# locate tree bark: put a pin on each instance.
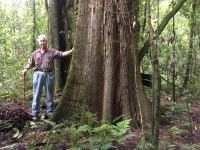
(34, 26)
(109, 48)
(104, 77)
(156, 82)
(46, 5)
(71, 97)
(58, 39)
(190, 52)
(54, 37)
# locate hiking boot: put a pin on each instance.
(46, 116)
(36, 118)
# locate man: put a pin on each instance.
(42, 64)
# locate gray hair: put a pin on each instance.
(42, 37)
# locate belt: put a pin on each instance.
(44, 70)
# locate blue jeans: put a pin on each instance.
(41, 79)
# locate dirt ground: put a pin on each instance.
(179, 130)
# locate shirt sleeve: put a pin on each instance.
(31, 61)
(57, 53)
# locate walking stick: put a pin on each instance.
(24, 93)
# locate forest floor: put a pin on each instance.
(179, 130)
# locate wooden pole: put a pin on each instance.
(24, 91)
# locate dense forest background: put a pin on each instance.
(135, 67)
(19, 30)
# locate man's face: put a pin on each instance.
(43, 43)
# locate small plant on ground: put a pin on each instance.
(145, 143)
(177, 109)
(86, 137)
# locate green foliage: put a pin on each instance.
(102, 137)
(32, 141)
(176, 130)
(32, 137)
(145, 143)
(56, 136)
(9, 147)
(33, 125)
(178, 109)
(88, 118)
(86, 137)
(164, 144)
(188, 146)
(183, 45)
(82, 116)
(16, 43)
(17, 134)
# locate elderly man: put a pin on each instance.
(41, 62)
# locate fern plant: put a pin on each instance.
(86, 137)
(102, 137)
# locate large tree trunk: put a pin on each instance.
(104, 77)
(75, 82)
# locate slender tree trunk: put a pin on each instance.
(174, 63)
(46, 5)
(156, 98)
(34, 26)
(160, 28)
(156, 83)
(54, 37)
(190, 52)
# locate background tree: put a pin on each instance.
(34, 26)
(16, 43)
(161, 27)
(191, 43)
(156, 86)
(59, 38)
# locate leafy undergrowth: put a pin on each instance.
(179, 130)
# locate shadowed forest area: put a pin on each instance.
(131, 83)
